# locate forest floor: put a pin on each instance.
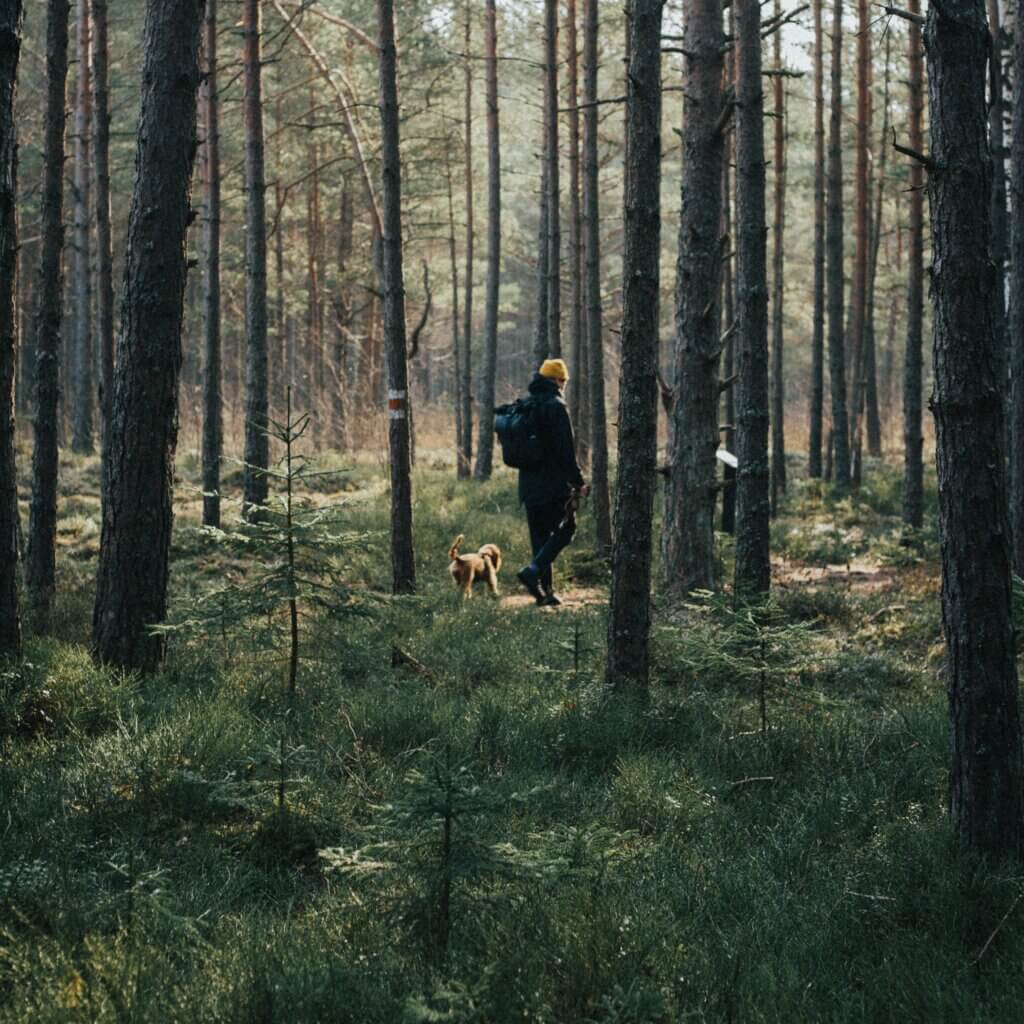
(451, 820)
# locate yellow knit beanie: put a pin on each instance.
(555, 369)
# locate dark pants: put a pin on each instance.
(551, 530)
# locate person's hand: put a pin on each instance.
(583, 491)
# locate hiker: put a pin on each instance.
(549, 489)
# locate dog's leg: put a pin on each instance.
(492, 578)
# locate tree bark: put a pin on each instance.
(11, 22)
(213, 412)
(485, 444)
(541, 337)
(101, 178)
(81, 419)
(986, 797)
(728, 319)
(872, 417)
(753, 567)
(629, 612)
(778, 392)
(462, 467)
(577, 348)
(257, 445)
(818, 316)
(839, 444)
(996, 145)
(465, 369)
(1016, 432)
(42, 531)
(553, 179)
(688, 533)
(856, 327)
(131, 588)
(913, 368)
(403, 561)
(592, 284)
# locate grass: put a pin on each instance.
(488, 837)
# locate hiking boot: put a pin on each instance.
(530, 578)
(551, 601)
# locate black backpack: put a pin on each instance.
(518, 428)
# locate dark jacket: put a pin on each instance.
(559, 473)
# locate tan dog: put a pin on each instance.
(482, 567)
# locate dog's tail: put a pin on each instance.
(453, 551)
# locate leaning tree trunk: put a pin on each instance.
(11, 21)
(778, 391)
(1016, 432)
(42, 529)
(688, 531)
(101, 180)
(913, 369)
(986, 796)
(138, 474)
(552, 181)
(592, 284)
(403, 562)
(81, 419)
(213, 412)
(485, 443)
(840, 437)
(465, 367)
(257, 445)
(753, 567)
(818, 316)
(629, 611)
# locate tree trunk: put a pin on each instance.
(629, 612)
(986, 799)
(403, 561)
(592, 284)
(101, 176)
(314, 336)
(553, 186)
(465, 368)
(485, 444)
(541, 338)
(11, 22)
(462, 466)
(81, 419)
(913, 369)
(778, 391)
(753, 567)
(1016, 432)
(213, 413)
(343, 322)
(858, 295)
(688, 533)
(728, 323)
(257, 445)
(728, 319)
(577, 349)
(131, 587)
(840, 434)
(996, 146)
(42, 531)
(873, 419)
(818, 316)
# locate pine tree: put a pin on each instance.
(629, 613)
(131, 585)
